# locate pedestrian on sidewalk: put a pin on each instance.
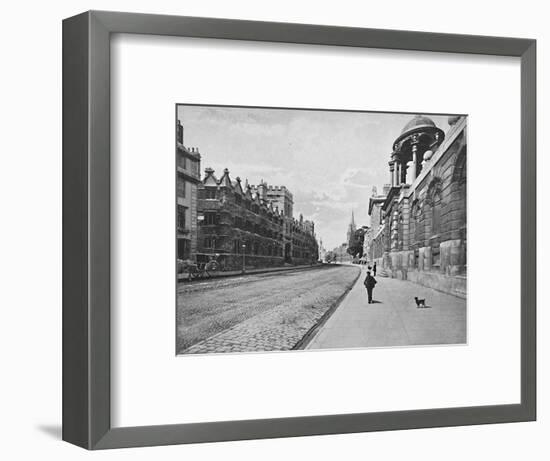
(374, 269)
(369, 283)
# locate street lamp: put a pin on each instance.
(244, 253)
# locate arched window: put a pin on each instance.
(436, 216)
(415, 231)
(459, 185)
(434, 200)
(459, 181)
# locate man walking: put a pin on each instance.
(369, 283)
(374, 269)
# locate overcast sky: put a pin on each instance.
(329, 160)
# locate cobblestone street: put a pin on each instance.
(263, 312)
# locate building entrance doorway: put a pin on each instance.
(288, 253)
(183, 248)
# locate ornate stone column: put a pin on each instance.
(405, 213)
(414, 162)
(399, 174)
(394, 229)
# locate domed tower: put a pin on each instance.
(418, 138)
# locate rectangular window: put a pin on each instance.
(436, 220)
(183, 249)
(210, 193)
(210, 219)
(180, 133)
(182, 161)
(208, 242)
(436, 259)
(181, 218)
(181, 187)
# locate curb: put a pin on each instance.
(254, 272)
(306, 339)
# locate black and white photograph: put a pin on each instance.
(319, 229)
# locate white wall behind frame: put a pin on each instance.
(31, 235)
(150, 385)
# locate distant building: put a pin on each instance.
(304, 244)
(341, 254)
(283, 201)
(423, 236)
(373, 244)
(188, 162)
(279, 196)
(322, 251)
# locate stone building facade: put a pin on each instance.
(423, 235)
(373, 244)
(245, 226)
(283, 201)
(187, 179)
(304, 247)
(322, 251)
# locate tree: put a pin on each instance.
(355, 244)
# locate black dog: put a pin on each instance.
(420, 302)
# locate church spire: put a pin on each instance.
(351, 229)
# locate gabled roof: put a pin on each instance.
(225, 180)
(209, 178)
(237, 185)
(247, 192)
(256, 198)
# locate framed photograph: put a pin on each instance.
(255, 275)
(276, 230)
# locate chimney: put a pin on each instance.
(179, 132)
(262, 190)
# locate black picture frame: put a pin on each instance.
(86, 229)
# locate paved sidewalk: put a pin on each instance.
(393, 319)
